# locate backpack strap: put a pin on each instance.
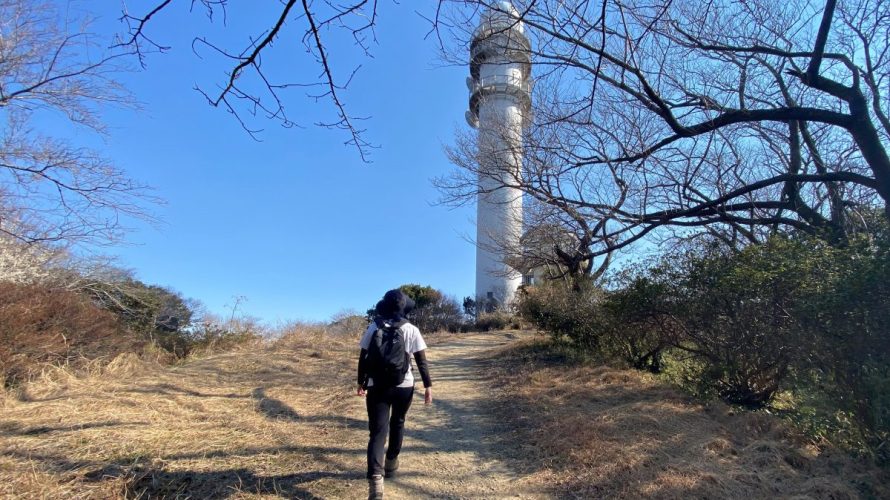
(377, 337)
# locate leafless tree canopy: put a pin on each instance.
(52, 69)
(736, 118)
(249, 90)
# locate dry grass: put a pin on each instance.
(267, 420)
(598, 432)
(278, 420)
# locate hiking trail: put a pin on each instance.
(454, 448)
(277, 421)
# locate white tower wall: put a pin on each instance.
(499, 105)
(499, 209)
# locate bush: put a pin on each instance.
(848, 309)
(444, 314)
(632, 317)
(624, 323)
(729, 310)
(735, 310)
(490, 321)
(433, 310)
(422, 296)
(40, 325)
(563, 310)
(793, 314)
(157, 314)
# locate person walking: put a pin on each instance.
(386, 379)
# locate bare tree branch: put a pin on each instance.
(52, 191)
(249, 92)
(735, 119)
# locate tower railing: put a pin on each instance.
(494, 82)
(519, 87)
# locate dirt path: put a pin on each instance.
(453, 449)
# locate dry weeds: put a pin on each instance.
(266, 420)
(599, 432)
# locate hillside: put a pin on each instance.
(282, 421)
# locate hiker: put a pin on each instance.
(385, 376)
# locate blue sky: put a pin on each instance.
(296, 223)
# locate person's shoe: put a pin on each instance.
(375, 487)
(390, 466)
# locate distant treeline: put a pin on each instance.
(60, 310)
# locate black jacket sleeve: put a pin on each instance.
(362, 369)
(423, 368)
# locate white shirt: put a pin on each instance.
(413, 343)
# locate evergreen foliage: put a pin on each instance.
(795, 324)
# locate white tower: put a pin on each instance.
(500, 103)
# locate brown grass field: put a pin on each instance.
(278, 420)
(265, 420)
(599, 432)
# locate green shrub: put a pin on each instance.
(735, 310)
(849, 358)
(433, 310)
(633, 316)
(157, 314)
(688, 372)
(728, 310)
(564, 310)
(422, 295)
(795, 315)
(443, 314)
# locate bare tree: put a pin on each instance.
(249, 90)
(23, 264)
(738, 118)
(53, 70)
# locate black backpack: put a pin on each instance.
(388, 362)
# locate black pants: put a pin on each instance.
(380, 402)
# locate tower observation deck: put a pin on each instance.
(499, 107)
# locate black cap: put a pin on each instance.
(395, 304)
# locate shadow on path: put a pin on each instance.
(273, 408)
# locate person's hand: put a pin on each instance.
(428, 396)
(360, 391)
